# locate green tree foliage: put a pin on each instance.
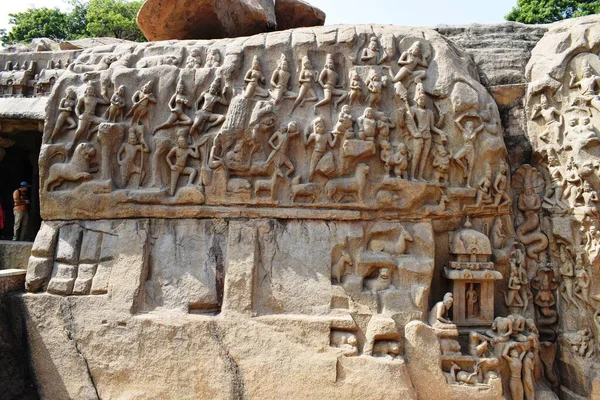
(87, 18)
(547, 11)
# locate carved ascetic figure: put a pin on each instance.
(194, 60)
(280, 145)
(529, 375)
(126, 157)
(513, 296)
(589, 85)
(514, 360)
(375, 85)
(280, 82)
(181, 153)
(372, 54)
(255, 81)
(117, 105)
(400, 161)
(441, 165)
(465, 156)
(322, 139)
(421, 127)
(205, 118)
(472, 301)
(142, 100)
(552, 118)
(345, 123)
(498, 236)
(328, 79)
(307, 78)
(484, 186)
(438, 316)
(581, 342)
(554, 195)
(409, 61)
(213, 59)
(582, 282)
(86, 112)
(356, 92)
(367, 125)
(178, 103)
(501, 197)
(65, 118)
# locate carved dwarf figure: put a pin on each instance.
(345, 123)
(213, 59)
(328, 80)
(126, 157)
(194, 60)
(371, 54)
(178, 103)
(65, 118)
(367, 125)
(181, 153)
(205, 106)
(400, 161)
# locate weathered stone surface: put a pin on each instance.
(14, 255)
(297, 14)
(205, 19)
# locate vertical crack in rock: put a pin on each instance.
(68, 323)
(238, 388)
(216, 255)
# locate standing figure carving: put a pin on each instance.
(181, 153)
(117, 105)
(465, 156)
(65, 118)
(322, 140)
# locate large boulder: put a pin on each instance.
(297, 14)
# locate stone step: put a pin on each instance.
(14, 254)
(12, 280)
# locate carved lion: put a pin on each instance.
(74, 170)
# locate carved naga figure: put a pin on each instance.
(528, 182)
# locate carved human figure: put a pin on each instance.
(554, 194)
(582, 281)
(213, 59)
(142, 100)
(280, 145)
(501, 197)
(328, 80)
(126, 157)
(375, 85)
(307, 78)
(322, 139)
(529, 376)
(117, 105)
(465, 156)
(438, 316)
(194, 60)
(255, 80)
(372, 54)
(491, 123)
(367, 125)
(588, 85)
(501, 330)
(567, 273)
(409, 61)
(483, 196)
(345, 123)
(421, 127)
(181, 152)
(400, 161)
(553, 120)
(205, 118)
(472, 302)
(441, 165)
(177, 104)
(356, 93)
(86, 111)
(514, 360)
(498, 235)
(513, 296)
(573, 182)
(280, 82)
(65, 118)
(385, 155)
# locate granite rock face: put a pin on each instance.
(297, 14)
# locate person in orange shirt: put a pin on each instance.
(21, 211)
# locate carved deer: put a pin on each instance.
(397, 248)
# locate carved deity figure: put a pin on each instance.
(322, 139)
(371, 54)
(181, 152)
(375, 85)
(213, 59)
(409, 61)
(65, 118)
(178, 103)
(86, 111)
(356, 92)
(553, 120)
(117, 105)
(438, 316)
(367, 125)
(501, 197)
(194, 60)
(205, 118)
(255, 80)
(465, 156)
(142, 100)
(126, 157)
(421, 127)
(307, 78)
(588, 85)
(280, 145)
(328, 80)
(280, 82)
(472, 302)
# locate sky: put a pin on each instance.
(397, 12)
